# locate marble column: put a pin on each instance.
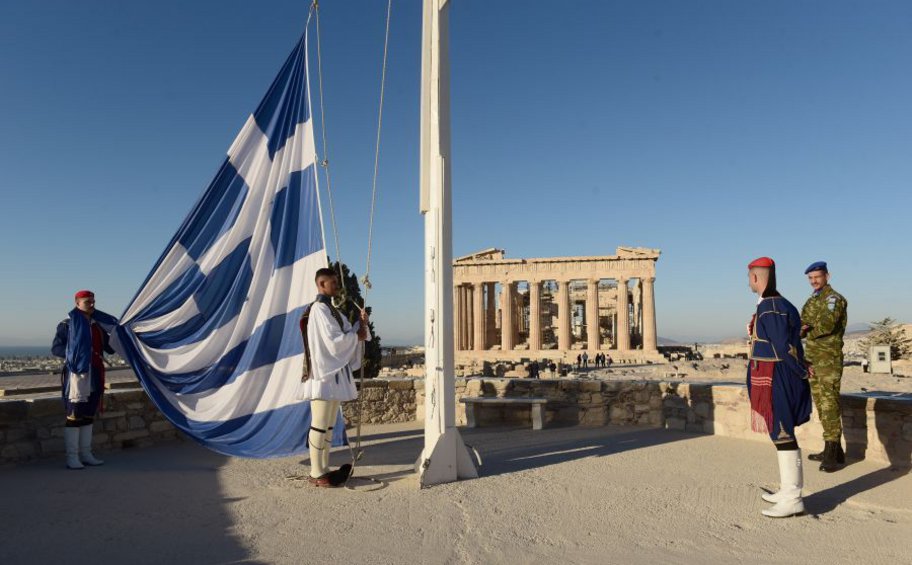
(466, 318)
(592, 315)
(490, 315)
(534, 315)
(457, 317)
(623, 316)
(563, 315)
(506, 313)
(478, 320)
(649, 318)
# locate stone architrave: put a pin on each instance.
(592, 315)
(563, 315)
(506, 313)
(534, 315)
(649, 317)
(478, 319)
(623, 319)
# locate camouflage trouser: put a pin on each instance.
(825, 391)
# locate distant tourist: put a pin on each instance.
(579, 361)
(864, 365)
(823, 320)
(585, 359)
(533, 370)
(608, 360)
(780, 398)
(81, 342)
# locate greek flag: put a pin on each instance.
(213, 333)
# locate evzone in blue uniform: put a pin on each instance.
(82, 342)
(777, 384)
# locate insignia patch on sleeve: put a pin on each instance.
(831, 303)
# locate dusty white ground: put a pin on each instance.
(560, 495)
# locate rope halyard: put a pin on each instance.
(355, 451)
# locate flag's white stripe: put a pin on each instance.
(257, 171)
(287, 288)
(266, 388)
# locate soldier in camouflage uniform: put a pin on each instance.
(823, 321)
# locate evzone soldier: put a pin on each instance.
(333, 351)
(824, 319)
(81, 341)
(777, 384)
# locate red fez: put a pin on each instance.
(85, 294)
(764, 262)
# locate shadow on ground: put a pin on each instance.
(156, 505)
(506, 450)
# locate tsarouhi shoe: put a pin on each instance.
(791, 481)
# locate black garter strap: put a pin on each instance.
(313, 429)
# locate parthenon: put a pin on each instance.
(556, 308)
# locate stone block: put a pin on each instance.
(135, 434)
(136, 423)
(160, 426)
(19, 450)
(100, 438)
(590, 386)
(13, 412)
(111, 414)
(53, 445)
(16, 434)
(402, 384)
(57, 431)
(135, 406)
(40, 407)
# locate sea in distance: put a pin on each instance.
(25, 350)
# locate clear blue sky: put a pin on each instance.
(717, 131)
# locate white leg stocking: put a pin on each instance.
(327, 438)
(320, 419)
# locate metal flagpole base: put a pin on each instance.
(449, 461)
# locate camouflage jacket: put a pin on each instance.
(825, 314)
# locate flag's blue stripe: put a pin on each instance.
(285, 105)
(273, 433)
(179, 291)
(220, 296)
(275, 339)
(295, 224)
(215, 213)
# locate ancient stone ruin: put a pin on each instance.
(555, 308)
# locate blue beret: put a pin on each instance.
(818, 266)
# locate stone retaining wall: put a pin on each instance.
(32, 428)
(877, 429)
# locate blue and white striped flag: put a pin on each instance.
(213, 334)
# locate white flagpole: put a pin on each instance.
(445, 457)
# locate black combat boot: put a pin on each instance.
(816, 456)
(833, 457)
